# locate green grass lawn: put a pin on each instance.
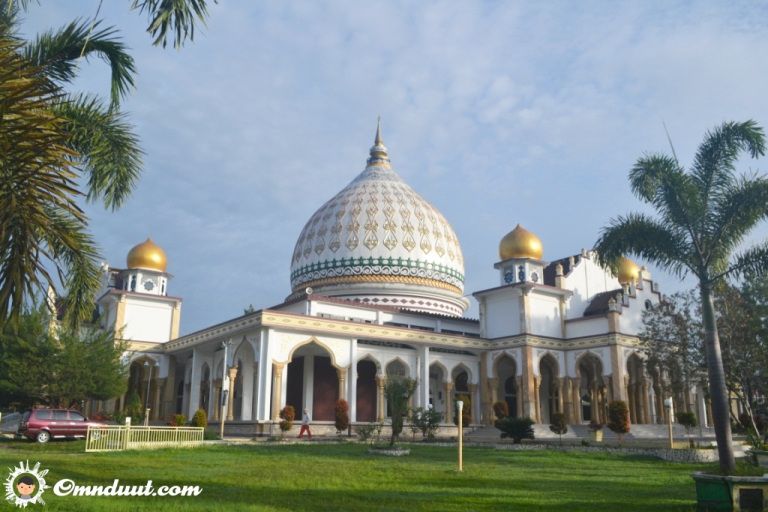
(345, 477)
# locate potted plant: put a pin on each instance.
(342, 416)
(597, 431)
(397, 392)
(558, 425)
(516, 428)
(287, 415)
(618, 418)
(687, 420)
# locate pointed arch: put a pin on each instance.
(370, 357)
(442, 368)
(392, 366)
(458, 368)
(309, 341)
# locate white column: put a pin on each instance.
(194, 381)
(212, 404)
(246, 401)
(352, 378)
(701, 407)
(264, 396)
(309, 385)
(423, 373)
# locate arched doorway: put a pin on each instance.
(205, 388)
(366, 390)
(591, 388)
(313, 382)
(549, 394)
(461, 392)
(142, 375)
(437, 389)
(396, 369)
(506, 371)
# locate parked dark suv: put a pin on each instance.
(42, 424)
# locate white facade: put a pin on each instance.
(556, 336)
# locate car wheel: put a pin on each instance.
(43, 437)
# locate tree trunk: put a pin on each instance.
(717, 390)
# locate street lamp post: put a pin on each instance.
(460, 406)
(224, 387)
(147, 367)
(668, 404)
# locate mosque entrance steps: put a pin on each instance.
(250, 429)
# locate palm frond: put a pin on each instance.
(78, 258)
(35, 177)
(108, 147)
(737, 209)
(175, 16)
(713, 165)
(639, 235)
(58, 51)
(752, 262)
(659, 180)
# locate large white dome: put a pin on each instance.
(379, 242)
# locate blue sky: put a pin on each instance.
(496, 112)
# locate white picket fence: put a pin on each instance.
(118, 437)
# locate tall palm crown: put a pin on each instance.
(704, 215)
(58, 148)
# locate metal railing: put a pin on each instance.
(118, 437)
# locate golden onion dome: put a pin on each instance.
(520, 243)
(147, 255)
(629, 271)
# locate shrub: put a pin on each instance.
(516, 428)
(365, 432)
(618, 418)
(688, 420)
(501, 410)
(466, 413)
(427, 421)
(342, 416)
(133, 407)
(200, 419)
(558, 425)
(209, 435)
(178, 420)
(398, 392)
(287, 415)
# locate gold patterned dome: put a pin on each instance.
(147, 255)
(520, 243)
(629, 271)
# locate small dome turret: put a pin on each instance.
(629, 271)
(520, 243)
(147, 255)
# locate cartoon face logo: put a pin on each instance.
(25, 485)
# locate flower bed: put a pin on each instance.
(389, 452)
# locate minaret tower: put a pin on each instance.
(135, 301)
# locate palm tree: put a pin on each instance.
(54, 144)
(166, 17)
(704, 214)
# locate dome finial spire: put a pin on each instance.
(377, 141)
(379, 155)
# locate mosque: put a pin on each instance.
(377, 293)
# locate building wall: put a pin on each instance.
(502, 315)
(147, 320)
(586, 280)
